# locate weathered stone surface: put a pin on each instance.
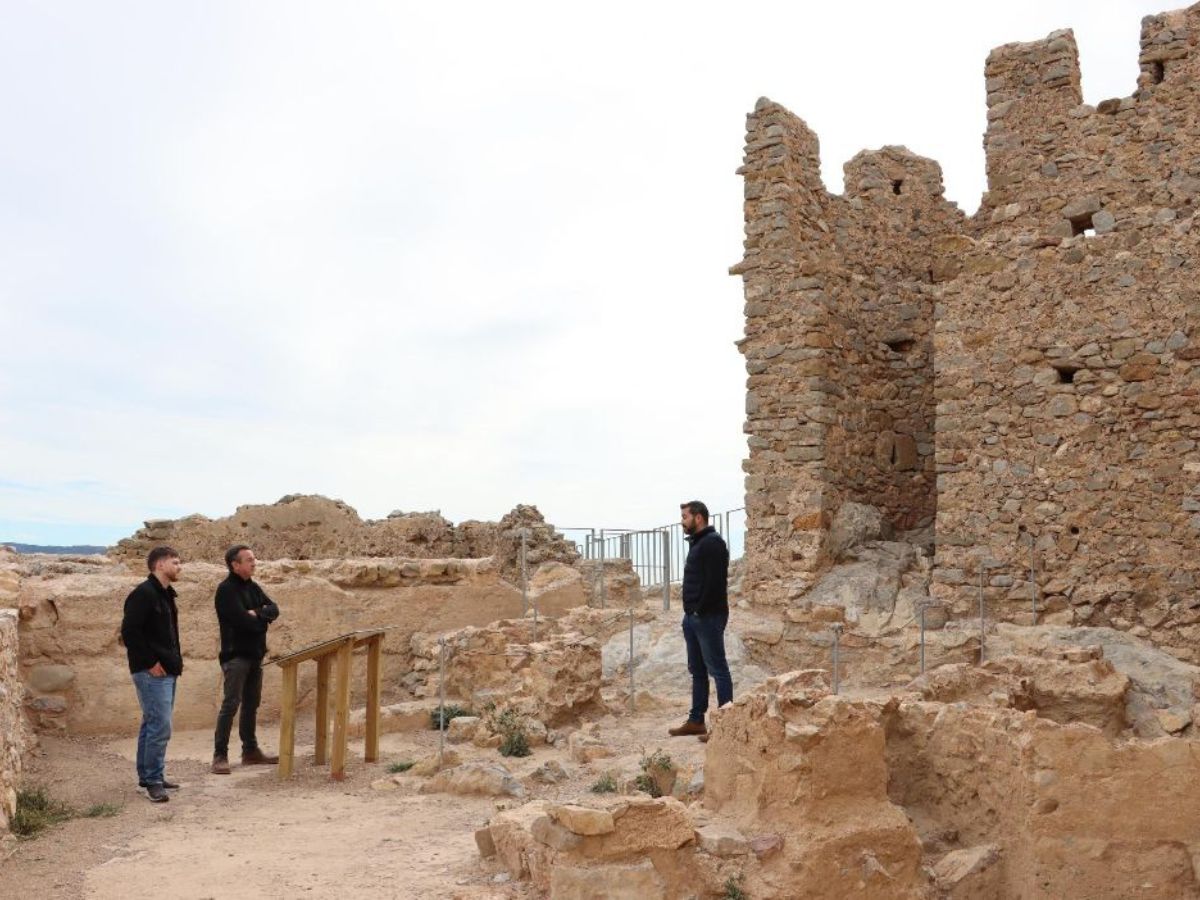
(549, 772)
(970, 873)
(462, 729)
(582, 819)
(1024, 378)
(585, 747)
(15, 737)
(50, 678)
(635, 881)
(853, 524)
(489, 779)
(722, 840)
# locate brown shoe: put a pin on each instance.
(220, 765)
(256, 757)
(688, 727)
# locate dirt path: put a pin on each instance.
(249, 835)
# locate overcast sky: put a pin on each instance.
(425, 255)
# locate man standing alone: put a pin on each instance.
(244, 613)
(705, 615)
(150, 633)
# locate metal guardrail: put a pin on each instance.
(657, 554)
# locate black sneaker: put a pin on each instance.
(157, 793)
(169, 785)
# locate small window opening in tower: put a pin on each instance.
(1158, 71)
(1083, 225)
(896, 185)
(1074, 529)
(1066, 372)
(900, 345)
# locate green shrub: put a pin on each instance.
(447, 712)
(648, 781)
(398, 767)
(605, 784)
(101, 811)
(645, 782)
(511, 728)
(36, 812)
(733, 888)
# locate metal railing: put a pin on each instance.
(656, 554)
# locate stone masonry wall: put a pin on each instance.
(1041, 360)
(1068, 348)
(839, 320)
(13, 730)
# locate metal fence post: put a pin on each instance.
(631, 694)
(837, 633)
(603, 596)
(442, 699)
(922, 610)
(1033, 585)
(524, 573)
(666, 569)
(982, 619)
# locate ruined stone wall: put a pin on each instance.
(839, 318)
(75, 670)
(313, 527)
(13, 729)
(1068, 349)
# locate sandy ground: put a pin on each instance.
(250, 835)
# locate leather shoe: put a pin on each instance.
(256, 757)
(688, 727)
(220, 765)
(157, 793)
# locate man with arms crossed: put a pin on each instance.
(150, 633)
(244, 613)
(705, 615)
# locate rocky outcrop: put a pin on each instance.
(547, 671)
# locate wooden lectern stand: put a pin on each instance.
(325, 653)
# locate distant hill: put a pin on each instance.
(73, 550)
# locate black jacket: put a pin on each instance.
(242, 635)
(706, 574)
(150, 628)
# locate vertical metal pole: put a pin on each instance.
(442, 699)
(982, 619)
(603, 595)
(666, 569)
(524, 573)
(631, 695)
(922, 608)
(837, 633)
(1033, 585)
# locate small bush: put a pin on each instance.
(733, 888)
(398, 767)
(605, 784)
(447, 712)
(36, 812)
(511, 728)
(656, 760)
(645, 782)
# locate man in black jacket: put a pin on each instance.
(705, 615)
(244, 613)
(150, 633)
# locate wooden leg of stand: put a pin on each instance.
(341, 717)
(321, 750)
(287, 722)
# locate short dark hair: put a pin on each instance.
(158, 553)
(696, 508)
(232, 553)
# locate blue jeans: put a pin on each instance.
(705, 638)
(157, 698)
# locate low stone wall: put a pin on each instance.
(70, 614)
(13, 730)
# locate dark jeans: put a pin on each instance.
(156, 696)
(243, 686)
(705, 638)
